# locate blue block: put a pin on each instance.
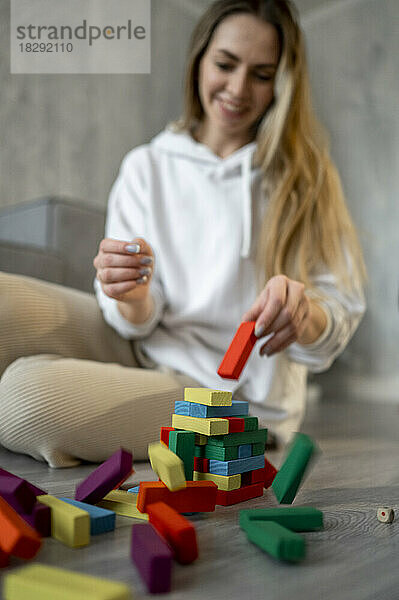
(101, 519)
(245, 451)
(134, 490)
(192, 409)
(233, 467)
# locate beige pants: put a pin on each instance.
(71, 388)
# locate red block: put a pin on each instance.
(270, 474)
(201, 464)
(4, 558)
(243, 493)
(16, 536)
(197, 496)
(235, 424)
(238, 352)
(165, 431)
(176, 529)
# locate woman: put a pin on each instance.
(234, 212)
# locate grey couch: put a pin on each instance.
(52, 238)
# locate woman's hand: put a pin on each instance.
(283, 310)
(124, 269)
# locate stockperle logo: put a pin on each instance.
(80, 36)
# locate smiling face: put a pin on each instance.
(236, 78)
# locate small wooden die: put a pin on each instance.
(385, 514)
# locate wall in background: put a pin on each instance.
(67, 135)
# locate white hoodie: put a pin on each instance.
(201, 214)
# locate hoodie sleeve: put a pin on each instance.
(344, 311)
(126, 220)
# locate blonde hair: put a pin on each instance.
(307, 226)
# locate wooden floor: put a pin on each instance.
(355, 557)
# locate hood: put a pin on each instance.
(183, 145)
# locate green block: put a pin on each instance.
(182, 443)
(237, 439)
(258, 448)
(301, 518)
(276, 540)
(199, 451)
(287, 481)
(220, 453)
(251, 423)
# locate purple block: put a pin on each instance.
(152, 557)
(37, 491)
(17, 493)
(103, 479)
(39, 519)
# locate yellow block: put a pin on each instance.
(41, 582)
(208, 397)
(224, 482)
(123, 503)
(212, 426)
(201, 440)
(69, 524)
(167, 465)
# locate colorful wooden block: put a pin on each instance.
(258, 448)
(36, 490)
(152, 557)
(235, 424)
(197, 496)
(287, 481)
(244, 451)
(233, 467)
(275, 539)
(16, 536)
(301, 518)
(134, 490)
(191, 409)
(17, 494)
(123, 503)
(167, 465)
(165, 431)
(208, 397)
(178, 532)
(182, 443)
(205, 426)
(101, 519)
(103, 479)
(237, 439)
(42, 582)
(199, 451)
(230, 482)
(221, 452)
(39, 519)
(270, 474)
(201, 464)
(240, 495)
(238, 352)
(200, 439)
(69, 524)
(251, 423)
(4, 559)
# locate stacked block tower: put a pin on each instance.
(217, 441)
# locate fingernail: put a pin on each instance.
(142, 279)
(147, 260)
(145, 271)
(259, 329)
(133, 248)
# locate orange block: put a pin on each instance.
(238, 352)
(197, 496)
(16, 536)
(176, 529)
